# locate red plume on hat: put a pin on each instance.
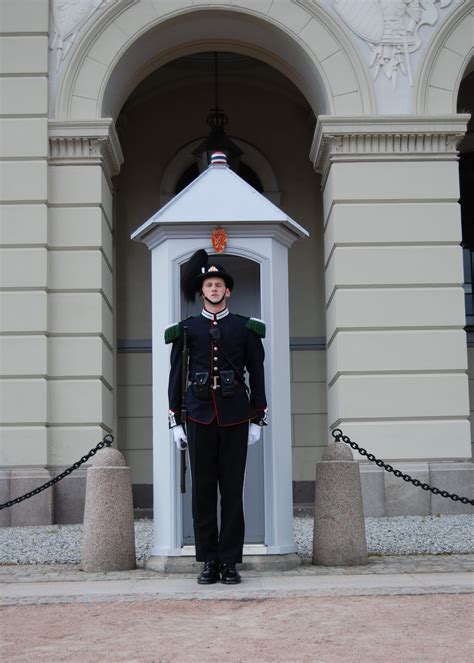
(197, 270)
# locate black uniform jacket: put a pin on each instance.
(209, 366)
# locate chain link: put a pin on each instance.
(106, 442)
(338, 436)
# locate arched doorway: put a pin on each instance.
(127, 44)
(159, 125)
(118, 50)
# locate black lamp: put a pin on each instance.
(217, 139)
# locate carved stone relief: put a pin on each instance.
(68, 17)
(391, 30)
(86, 142)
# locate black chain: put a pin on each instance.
(338, 436)
(106, 442)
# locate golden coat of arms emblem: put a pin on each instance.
(219, 239)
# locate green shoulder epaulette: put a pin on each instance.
(257, 326)
(172, 332)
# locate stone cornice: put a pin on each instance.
(85, 142)
(385, 139)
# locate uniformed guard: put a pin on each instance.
(224, 416)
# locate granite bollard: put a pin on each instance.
(339, 526)
(108, 542)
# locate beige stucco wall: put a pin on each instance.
(396, 358)
(135, 414)
(309, 411)
(23, 234)
(57, 293)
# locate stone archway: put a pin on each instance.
(115, 50)
(445, 64)
(124, 45)
(160, 117)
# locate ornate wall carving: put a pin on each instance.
(391, 30)
(67, 18)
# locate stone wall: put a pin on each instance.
(24, 284)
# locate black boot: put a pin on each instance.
(209, 574)
(230, 575)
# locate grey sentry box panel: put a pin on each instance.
(259, 236)
(245, 299)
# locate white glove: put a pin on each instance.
(180, 438)
(254, 434)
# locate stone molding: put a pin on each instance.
(385, 138)
(85, 143)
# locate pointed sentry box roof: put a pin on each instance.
(220, 196)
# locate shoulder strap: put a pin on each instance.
(257, 326)
(172, 332)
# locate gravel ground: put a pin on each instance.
(61, 544)
(410, 535)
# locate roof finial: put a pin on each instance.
(218, 158)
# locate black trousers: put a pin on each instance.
(218, 455)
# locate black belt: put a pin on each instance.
(213, 382)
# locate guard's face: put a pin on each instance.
(214, 289)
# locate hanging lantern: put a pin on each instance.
(217, 139)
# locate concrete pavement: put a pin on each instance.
(387, 576)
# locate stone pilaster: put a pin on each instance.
(23, 249)
(83, 158)
(397, 361)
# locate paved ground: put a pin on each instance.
(417, 608)
(146, 586)
(388, 629)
